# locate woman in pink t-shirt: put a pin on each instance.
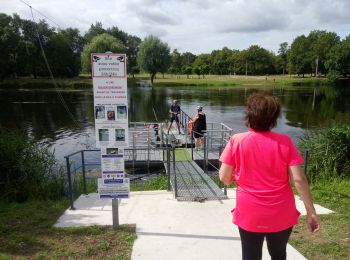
(261, 163)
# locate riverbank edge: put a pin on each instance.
(85, 82)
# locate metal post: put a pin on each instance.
(174, 171)
(115, 213)
(306, 160)
(83, 165)
(192, 143)
(133, 150)
(148, 150)
(205, 154)
(70, 184)
(168, 166)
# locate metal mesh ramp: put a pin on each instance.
(193, 184)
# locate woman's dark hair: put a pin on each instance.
(262, 111)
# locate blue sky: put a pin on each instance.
(198, 26)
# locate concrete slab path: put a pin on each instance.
(168, 229)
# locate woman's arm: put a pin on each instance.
(302, 186)
(226, 174)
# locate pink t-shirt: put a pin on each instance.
(264, 198)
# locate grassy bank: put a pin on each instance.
(83, 82)
(26, 232)
(333, 240)
(240, 81)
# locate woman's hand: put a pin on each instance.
(313, 222)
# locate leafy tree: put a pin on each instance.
(63, 61)
(299, 56)
(31, 33)
(100, 44)
(153, 56)
(197, 70)
(259, 60)
(176, 62)
(95, 29)
(237, 62)
(187, 58)
(75, 41)
(220, 61)
(320, 44)
(283, 56)
(187, 70)
(202, 64)
(9, 43)
(132, 45)
(338, 59)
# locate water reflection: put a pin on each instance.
(41, 114)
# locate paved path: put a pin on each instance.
(171, 230)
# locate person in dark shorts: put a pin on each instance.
(174, 115)
(199, 127)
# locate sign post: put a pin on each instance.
(111, 125)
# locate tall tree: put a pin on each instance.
(132, 45)
(9, 45)
(100, 44)
(153, 56)
(338, 58)
(176, 62)
(94, 30)
(201, 66)
(299, 56)
(220, 61)
(259, 60)
(283, 56)
(188, 58)
(321, 43)
(63, 61)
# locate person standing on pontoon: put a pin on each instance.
(174, 115)
(199, 127)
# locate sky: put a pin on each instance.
(197, 26)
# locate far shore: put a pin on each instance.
(84, 82)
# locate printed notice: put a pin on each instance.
(108, 65)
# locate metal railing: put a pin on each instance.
(168, 156)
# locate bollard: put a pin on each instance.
(115, 213)
(70, 185)
(83, 165)
(168, 166)
(174, 172)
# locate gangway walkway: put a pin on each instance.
(193, 184)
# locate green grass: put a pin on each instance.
(26, 232)
(182, 154)
(157, 183)
(83, 82)
(236, 81)
(333, 240)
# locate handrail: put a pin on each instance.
(81, 152)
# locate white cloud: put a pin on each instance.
(198, 25)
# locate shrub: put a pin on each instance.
(27, 169)
(329, 152)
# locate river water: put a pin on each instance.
(41, 113)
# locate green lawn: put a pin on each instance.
(26, 232)
(84, 81)
(333, 240)
(236, 81)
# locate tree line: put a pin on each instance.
(68, 53)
